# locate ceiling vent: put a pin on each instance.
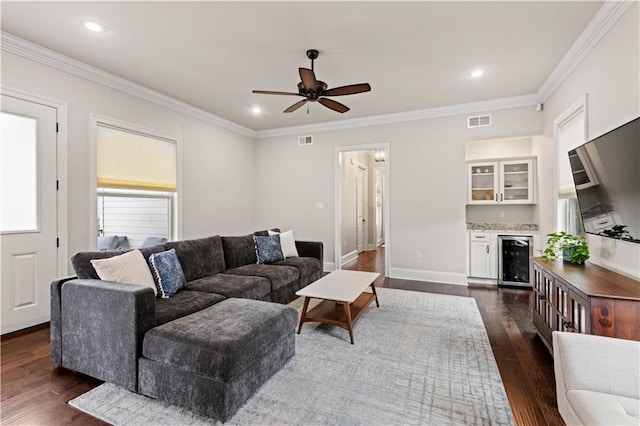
(479, 121)
(305, 140)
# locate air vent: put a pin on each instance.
(305, 140)
(479, 121)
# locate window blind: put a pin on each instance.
(127, 160)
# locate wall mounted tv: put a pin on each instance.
(606, 174)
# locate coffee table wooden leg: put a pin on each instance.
(373, 287)
(304, 313)
(347, 314)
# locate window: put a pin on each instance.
(136, 179)
(19, 173)
(570, 134)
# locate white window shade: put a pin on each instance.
(128, 160)
(571, 135)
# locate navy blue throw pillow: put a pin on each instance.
(168, 272)
(268, 248)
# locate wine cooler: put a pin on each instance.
(514, 260)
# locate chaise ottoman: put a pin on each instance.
(212, 361)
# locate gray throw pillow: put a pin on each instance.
(167, 272)
(268, 248)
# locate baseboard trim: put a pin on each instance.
(348, 257)
(329, 266)
(431, 276)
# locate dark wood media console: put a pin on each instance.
(584, 299)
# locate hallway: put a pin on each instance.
(368, 261)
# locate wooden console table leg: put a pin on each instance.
(373, 287)
(304, 313)
(347, 314)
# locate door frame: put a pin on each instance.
(386, 206)
(365, 202)
(62, 205)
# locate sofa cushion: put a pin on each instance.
(287, 243)
(239, 251)
(306, 265)
(268, 248)
(82, 266)
(130, 268)
(243, 286)
(184, 303)
(199, 258)
(222, 340)
(167, 272)
(82, 261)
(599, 408)
(265, 232)
(279, 276)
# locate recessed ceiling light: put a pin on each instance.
(256, 110)
(477, 73)
(93, 26)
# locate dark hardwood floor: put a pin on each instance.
(34, 391)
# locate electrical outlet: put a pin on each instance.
(418, 255)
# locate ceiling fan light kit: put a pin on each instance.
(314, 90)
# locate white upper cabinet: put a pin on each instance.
(504, 181)
(483, 180)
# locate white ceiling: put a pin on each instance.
(415, 55)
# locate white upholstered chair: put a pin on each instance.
(597, 379)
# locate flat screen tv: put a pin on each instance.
(606, 174)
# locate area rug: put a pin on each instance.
(420, 358)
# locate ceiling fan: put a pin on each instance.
(314, 90)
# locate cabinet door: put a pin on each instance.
(516, 182)
(482, 182)
(543, 315)
(480, 259)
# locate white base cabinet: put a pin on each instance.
(483, 259)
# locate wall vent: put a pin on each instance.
(305, 140)
(479, 121)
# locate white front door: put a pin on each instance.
(360, 209)
(28, 212)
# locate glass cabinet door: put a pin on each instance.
(483, 183)
(516, 182)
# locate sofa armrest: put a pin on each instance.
(103, 324)
(311, 249)
(584, 362)
(56, 318)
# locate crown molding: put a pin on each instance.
(37, 53)
(599, 25)
(422, 114)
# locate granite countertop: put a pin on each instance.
(501, 226)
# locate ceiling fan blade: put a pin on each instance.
(296, 105)
(308, 78)
(331, 104)
(269, 92)
(351, 89)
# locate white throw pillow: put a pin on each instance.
(287, 243)
(127, 268)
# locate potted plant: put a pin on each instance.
(573, 248)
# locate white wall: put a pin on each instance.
(217, 164)
(609, 75)
(427, 186)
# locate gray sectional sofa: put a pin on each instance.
(207, 348)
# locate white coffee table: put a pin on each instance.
(344, 298)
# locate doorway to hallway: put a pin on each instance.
(362, 208)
